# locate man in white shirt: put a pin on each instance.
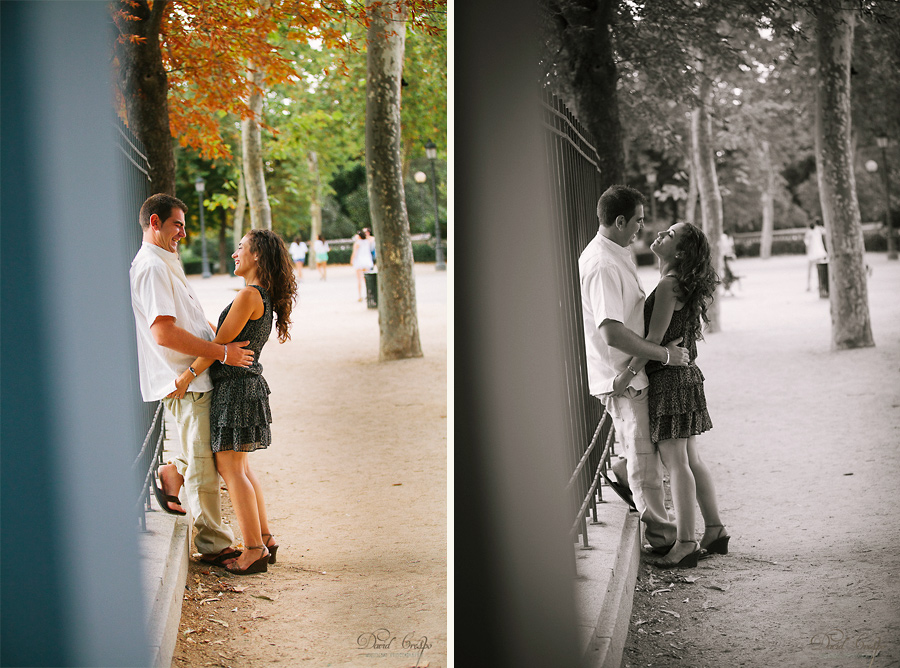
(612, 303)
(172, 331)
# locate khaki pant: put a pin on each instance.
(197, 465)
(631, 418)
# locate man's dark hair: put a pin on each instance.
(161, 204)
(618, 201)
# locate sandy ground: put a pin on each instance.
(356, 490)
(804, 451)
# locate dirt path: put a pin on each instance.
(356, 489)
(806, 461)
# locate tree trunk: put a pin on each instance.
(397, 317)
(850, 324)
(254, 170)
(223, 249)
(690, 208)
(144, 85)
(767, 199)
(239, 209)
(586, 77)
(708, 185)
(315, 204)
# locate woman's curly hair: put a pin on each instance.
(696, 276)
(275, 272)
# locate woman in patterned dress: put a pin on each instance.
(677, 403)
(240, 415)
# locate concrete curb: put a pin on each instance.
(165, 549)
(606, 576)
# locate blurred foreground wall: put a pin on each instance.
(513, 559)
(69, 580)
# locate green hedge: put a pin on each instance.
(426, 252)
(423, 252)
(194, 266)
(340, 256)
(779, 247)
(874, 241)
(645, 258)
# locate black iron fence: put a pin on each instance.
(575, 189)
(133, 165)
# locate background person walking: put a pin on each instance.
(361, 260)
(298, 250)
(320, 248)
(814, 238)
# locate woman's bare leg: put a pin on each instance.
(684, 494)
(706, 493)
(233, 466)
(260, 502)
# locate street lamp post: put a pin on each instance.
(200, 185)
(420, 178)
(651, 181)
(891, 247)
(431, 154)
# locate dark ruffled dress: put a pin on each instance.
(676, 401)
(239, 417)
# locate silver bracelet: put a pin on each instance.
(631, 369)
(666, 363)
(225, 359)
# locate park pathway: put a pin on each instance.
(356, 491)
(805, 452)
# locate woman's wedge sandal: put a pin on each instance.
(273, 549)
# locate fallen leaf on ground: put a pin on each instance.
(714, 585)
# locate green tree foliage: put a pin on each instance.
(322, 110)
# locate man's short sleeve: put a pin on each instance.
(154, 293)
(606, 295)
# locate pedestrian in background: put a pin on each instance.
(298, 250)
(371, 244)
(361, 260)
(726, 249)
(320, 248)
(814, 239)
